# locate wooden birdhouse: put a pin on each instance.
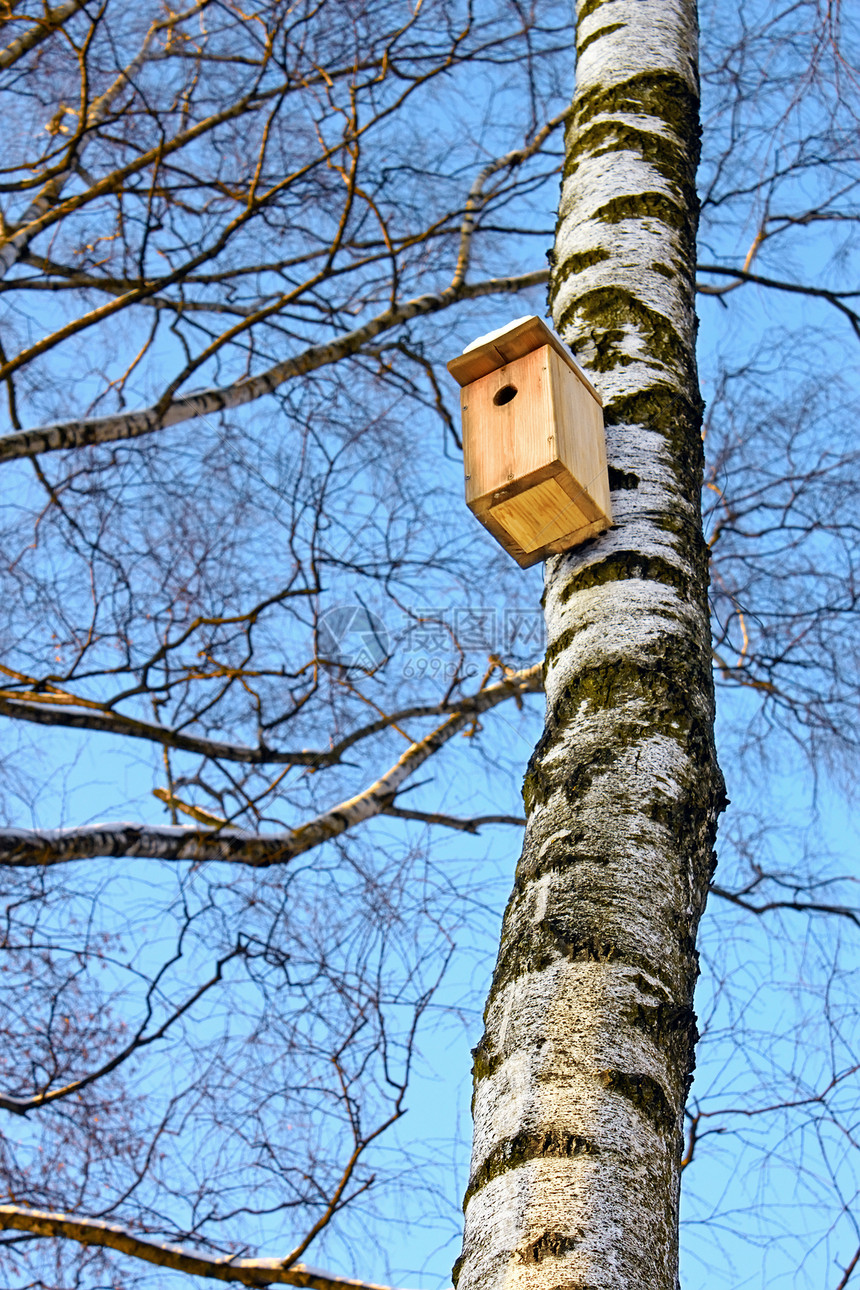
(533, 443)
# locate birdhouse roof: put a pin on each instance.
(513, 341)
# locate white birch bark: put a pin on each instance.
(584, 1066)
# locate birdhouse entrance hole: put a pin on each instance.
(533, 443)
(504, 395)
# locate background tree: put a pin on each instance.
(242, 612)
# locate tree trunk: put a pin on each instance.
(587, 1055)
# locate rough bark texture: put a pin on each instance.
(585, 1063)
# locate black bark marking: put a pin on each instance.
(645, 1094)
(513, 1152)
(549, 1245)
(622, 481)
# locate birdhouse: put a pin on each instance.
(533, 443)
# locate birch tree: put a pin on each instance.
(583, 1071)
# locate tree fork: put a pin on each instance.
(587, 1056)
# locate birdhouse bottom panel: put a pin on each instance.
(542, 514)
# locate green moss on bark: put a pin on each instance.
(579, 262)
(597, 35)
(650, 205)
(608, 314)
(588, 8)
(618, 566)
(661, 94)
(664, 153)
(484, 1061)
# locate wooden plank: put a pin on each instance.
(512, 343)
(580, 438)
(481, 506)
(573, 539)
(525, 559)
(543, 514)
(502, 443)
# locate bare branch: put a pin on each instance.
(478, 198)
(799, 906)
(21, 1105)
(472, 825)
(28, 848)
(851, 1266)
(43, 28)
(43, 209)
(835, 298)
(111, 1236)
(47, 710)
(74, 434)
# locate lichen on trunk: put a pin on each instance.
(585, 1062)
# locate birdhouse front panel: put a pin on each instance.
(501, 442)
(533, 442)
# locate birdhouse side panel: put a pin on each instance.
(581, 439)
(508, 425)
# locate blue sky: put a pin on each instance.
(768, 1199)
